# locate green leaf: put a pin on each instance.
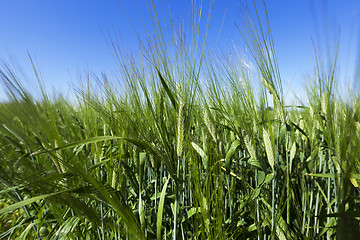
(141, 144)
(191, 212)
(67, 227)
(78, 143)
(148, 147)
(229, 154)
(260, 177)
(121, 208)
(161, 210)
(254, 162)
(99, 164)
(332, 175)
(168, 90)
(267, 179)
(300, 130)
(10, 189)
(255, 193)
(28, 201)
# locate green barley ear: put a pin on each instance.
(325, 101)
(251, 149)
(209, 124)
(114, 179)
(180, 130)
(278, 105)
(269, 148)
(154, 162)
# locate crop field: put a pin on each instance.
(184, 145)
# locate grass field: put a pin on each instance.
(184, 146)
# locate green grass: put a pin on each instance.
(168, 155)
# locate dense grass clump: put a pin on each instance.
(187, 148)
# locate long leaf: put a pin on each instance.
(161, 210)
(168, 90)
(29, 201)
(78, 143)
(229, 155)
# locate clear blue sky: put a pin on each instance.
(65, 37)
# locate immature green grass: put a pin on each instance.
(171, 157)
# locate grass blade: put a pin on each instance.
(161, 210)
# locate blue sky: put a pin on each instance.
(65, 37)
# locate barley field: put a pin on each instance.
(183, 145)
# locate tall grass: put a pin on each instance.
(190, 148)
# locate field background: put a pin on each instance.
(187, 144)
